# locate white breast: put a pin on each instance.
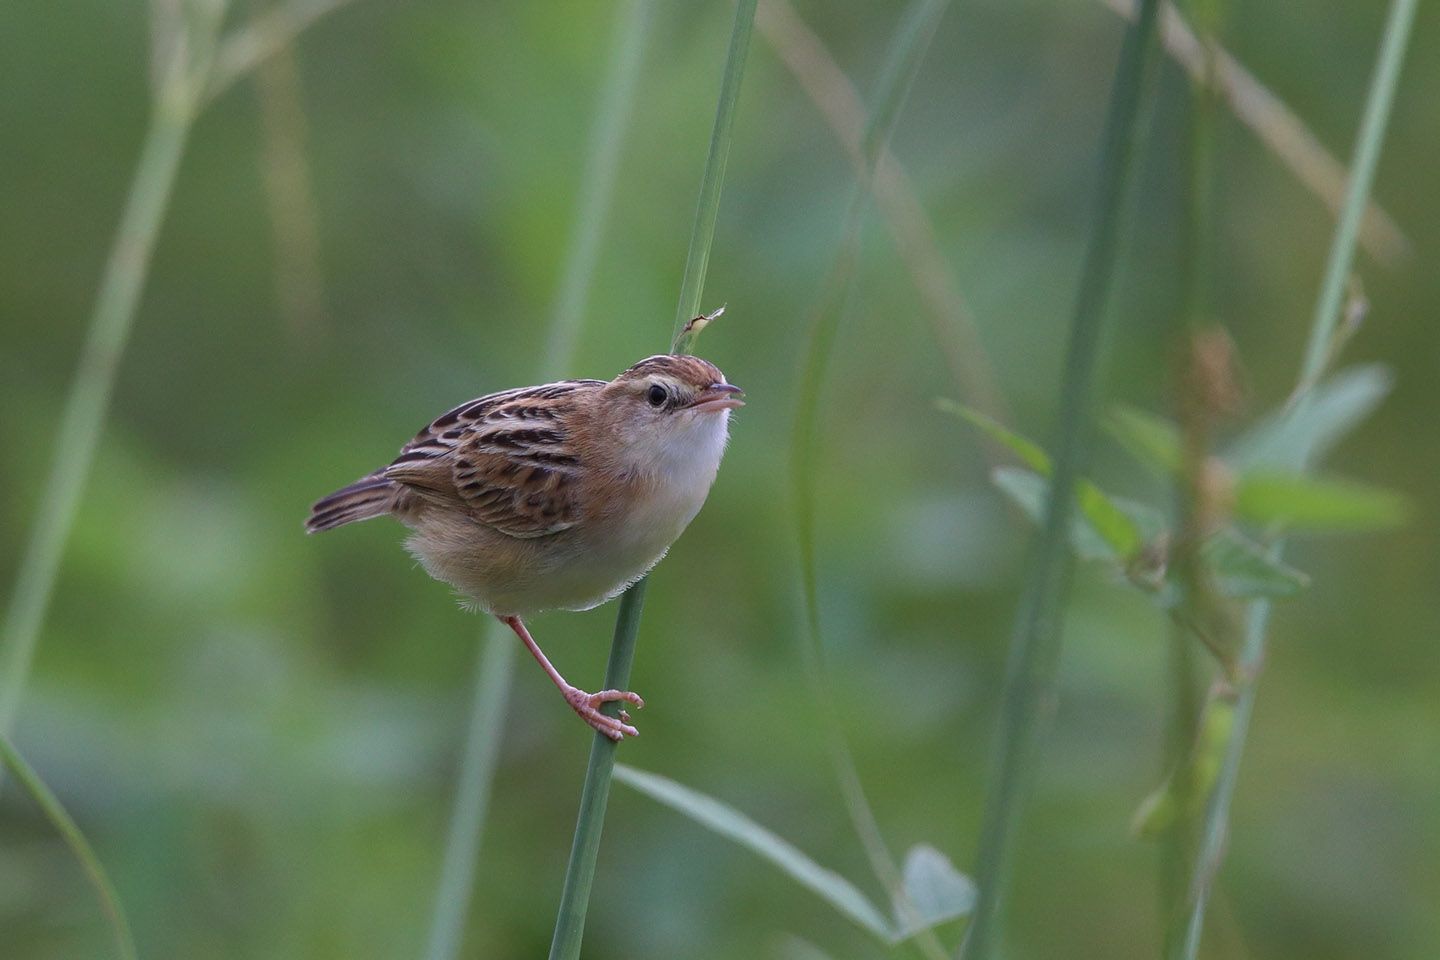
(678, 473)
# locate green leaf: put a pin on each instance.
(1030, 492)
(734, 825)
(1104, 517)
(791, 947)
(935, 891)
(1148, 522)
(1184, 798)
(1291, 440)
(1153, 440)
(1110, 529)
(1316, 503)
(1025, 449)
(1245, 570)
(1112, 522)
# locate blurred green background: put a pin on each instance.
(259, 730)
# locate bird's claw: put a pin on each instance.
(587, 705)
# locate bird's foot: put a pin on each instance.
(588, 706)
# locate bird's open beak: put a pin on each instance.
(718, 396)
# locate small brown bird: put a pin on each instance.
(555, 497)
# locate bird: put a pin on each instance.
(557, 496)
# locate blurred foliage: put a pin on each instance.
(257, 730)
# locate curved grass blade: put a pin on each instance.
(1101, 516)
(951, 322)
(614, 104)
(1152, 440)
(906, 52)
(173, 112)
(26, 776)
(734, 825)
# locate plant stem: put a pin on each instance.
(78, 434)
(496, 666)
(707, 207)
(1317, 355)
(585, 848)
(1177, 844)
(1362, 173)
(904, 56)
(30, 781)
(493, 669)
(613, 106)
(1035, 642)
(1278, 128)
(952, 324)
(269, 32)
(580, 873)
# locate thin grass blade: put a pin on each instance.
(1324, 324)
(585, 849)
(707, 207)
(54, 811)
(734, 825)
(1035, 642)
(903, 59)
(496, 664)
(78, 435)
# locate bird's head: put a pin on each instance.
(671, 411)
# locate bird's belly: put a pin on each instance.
(570, 570)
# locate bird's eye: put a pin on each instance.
(657, 396)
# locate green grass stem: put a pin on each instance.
(30, 781)
(271, 31)
(494, 669)
(1376, 116)
(1177, 843)
(707, 207)
(78, 435)
(614, 105)
(951, 322)
(1278, 128)
(585, 848)
(1318, 354)
(1035, 643)
(496, 665)
(904, 56)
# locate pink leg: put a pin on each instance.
(585, 704)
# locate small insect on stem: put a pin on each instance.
(693, 328)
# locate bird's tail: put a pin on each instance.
(368, 497)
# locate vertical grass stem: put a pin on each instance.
(1374, 120)
(904, 55)
(78, 434)
(707, 207)
(1029, 689)
(585, 848)
(495, 667)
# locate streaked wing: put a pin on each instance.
(507, 458)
